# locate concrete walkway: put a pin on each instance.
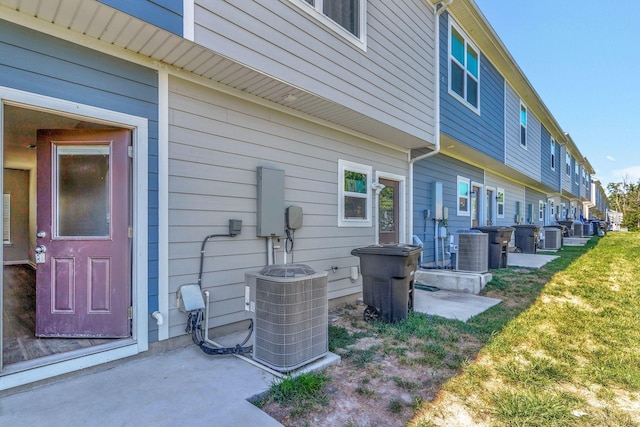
(529, 260)
(183, 387)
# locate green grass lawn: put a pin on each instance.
(572, 358)
(561, 349)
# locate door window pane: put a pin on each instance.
(387, 209)
(83, 195)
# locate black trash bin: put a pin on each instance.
(527, 237)
(499, 238)
(387, 280)
(569, 225)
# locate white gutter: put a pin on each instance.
(436, 149)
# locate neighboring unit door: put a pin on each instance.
(83, 273)
(489, 206)
(388, 212)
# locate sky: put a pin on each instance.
(583, 59)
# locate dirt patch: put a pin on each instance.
(382, 379)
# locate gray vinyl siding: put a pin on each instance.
(513, 192)
(36, 63)
(549, 176)
(567, 179)
(483, 132)
(444, 169)
(392, 81)
(524, 159)
(216, 143)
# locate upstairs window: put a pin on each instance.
(567, 164)
(577, 170)
(523, 125)
(553, 154)
(464, 70)
(345, 16)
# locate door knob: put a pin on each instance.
(41, 249)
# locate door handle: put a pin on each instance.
(40, 249)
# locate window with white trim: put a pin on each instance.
(464, 194)
(553, 154)
(541, 206)
(567, 164)
(500, 204)
(354, 194)
(344, 16)
(552, 209)
(464, 68)
(6, 218)
(577, 172)
(523, 125)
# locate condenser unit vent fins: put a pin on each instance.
(291, 319)
(473, 252)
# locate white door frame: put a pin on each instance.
(402, 208)
(13, 376)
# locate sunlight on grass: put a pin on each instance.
(542, 366)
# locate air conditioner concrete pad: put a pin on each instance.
(451, 280)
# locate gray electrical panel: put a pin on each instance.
(436, 200)
(270, 202)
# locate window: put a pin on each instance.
(541, 206)
(552, 209)
(6, 218)
(553, 154)
(354, 192)
(567, 164)
(464, 193)
(464, 70)
(577, 172)
(523, 125)
(500, 199)
(344, 16)
(563, 213)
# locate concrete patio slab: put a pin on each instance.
(173, 388)
(529, 260)
(451, 305)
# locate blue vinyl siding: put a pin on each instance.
(36, 63)
(550, 177)
(165, 14)
(446, 170)
(533, 197)
(484, 132)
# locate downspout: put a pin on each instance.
(436, 149)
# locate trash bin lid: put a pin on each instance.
(287, 270)
(388, 249)
(528, 226)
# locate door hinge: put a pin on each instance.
(130, 232)
(130, 313)
(130, 151)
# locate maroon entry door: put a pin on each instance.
(83, 277)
